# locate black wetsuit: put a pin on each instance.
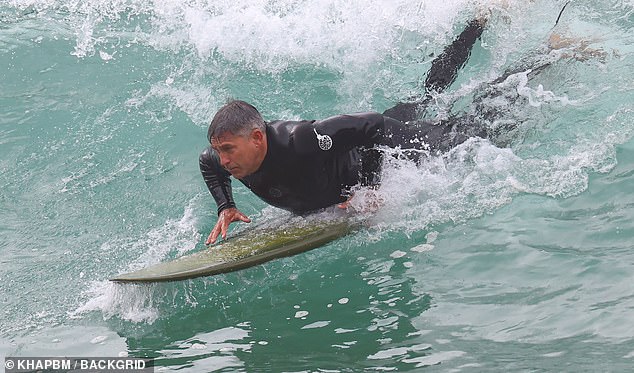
(311, 165)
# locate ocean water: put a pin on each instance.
(508, 254)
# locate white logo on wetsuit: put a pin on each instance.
(325, 142)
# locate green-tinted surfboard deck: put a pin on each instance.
(246, 250)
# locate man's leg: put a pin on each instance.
(443, 71)
(431, 136)
(445, 67)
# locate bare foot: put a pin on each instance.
(576, 48)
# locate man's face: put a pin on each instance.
(240, 155)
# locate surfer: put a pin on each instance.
(303, 166)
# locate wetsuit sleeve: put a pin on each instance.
(217, 179)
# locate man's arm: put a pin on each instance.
(217, 179)
(353, 130)
(339, 134)
(219, 184)
(363, 131)
(342, 133)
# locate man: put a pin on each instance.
(303, 166)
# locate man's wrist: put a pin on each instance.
(225, 207)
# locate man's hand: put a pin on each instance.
(225, 218)
(345, 205)
(369, 201)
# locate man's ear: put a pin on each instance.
(258, 136)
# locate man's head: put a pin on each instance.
(238, 134)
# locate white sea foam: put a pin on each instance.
(141, 303)
(343, 38)
(316, 325)
(391, 353)
(132, 303)
(422, 248)
(98, 339)
(474, 179)
(435, 359)
(259, 30)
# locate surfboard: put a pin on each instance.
(245, 250)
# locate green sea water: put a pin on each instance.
(509, 254)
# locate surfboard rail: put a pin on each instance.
(243, 251)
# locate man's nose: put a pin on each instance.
(224, 160)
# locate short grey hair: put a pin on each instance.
(236, 117)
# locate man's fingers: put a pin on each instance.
(223, 228)
(222, 225)
(212, 237)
